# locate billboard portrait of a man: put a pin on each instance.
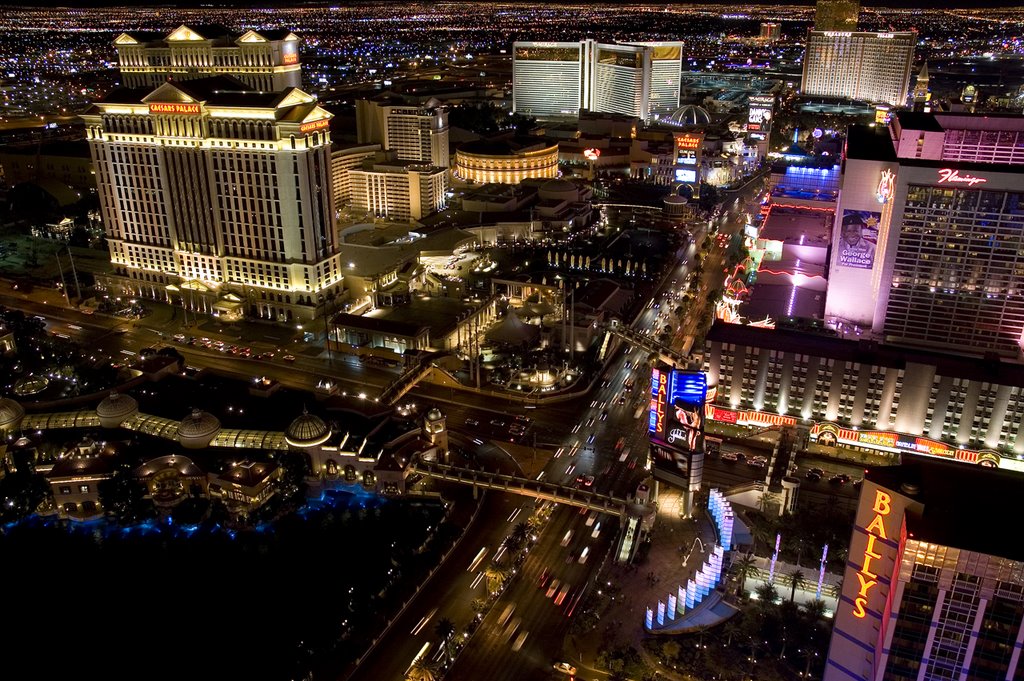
(858, 237)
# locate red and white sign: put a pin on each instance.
(689, 141)
(592, 154)
(290, 58)
(175, 108)
(315, 125)
(953, 176)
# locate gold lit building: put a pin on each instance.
(263, 60)
(505, 162)
(217, 196)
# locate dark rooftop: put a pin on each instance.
(871, 144)
(503, 147)
(918, 120)
(378, 324)
(960, 501)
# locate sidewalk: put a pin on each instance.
(642, 586)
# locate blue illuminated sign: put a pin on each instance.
(673, 388)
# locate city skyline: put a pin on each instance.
(515, 341)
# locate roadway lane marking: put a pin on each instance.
(476, 561)
(419, 656)
(423, 622)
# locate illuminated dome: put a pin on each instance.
(197, 429)
(30, 385)
(11, 414)
(308, 430)
(116, 409)
(434, 414)
(691, 115)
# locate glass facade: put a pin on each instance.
(958, 276)
(910, 634)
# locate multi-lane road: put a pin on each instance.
(599, 440)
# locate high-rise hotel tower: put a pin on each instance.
(934, 581)
(263, 60)
(551, 80)
(873, 67)
(217, 196)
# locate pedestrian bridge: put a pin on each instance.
(562, 494)
(408, 379)
(647, 343)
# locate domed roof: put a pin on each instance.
(691, 115)
(487, 148)
(184, 465)
(116, 408)
(434, 414)
(558, 185)
(11, 413)
(308, 430)
(197, 429)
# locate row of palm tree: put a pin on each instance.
(425, 668)
(745, 566)
(496, 574)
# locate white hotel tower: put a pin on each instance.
(216, 196)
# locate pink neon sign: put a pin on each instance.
(951, 175)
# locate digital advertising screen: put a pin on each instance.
(858, 238)
(686, 175)
(759, 115)
(677, 424)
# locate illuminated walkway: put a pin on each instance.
(157, 426)
(647, 343)
(536, 489)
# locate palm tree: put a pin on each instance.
(814, 610)
(423, 669)
(523, 531)
(744, 567)
(766, 594)
(445, 629)
(798, 579)
(495, 576)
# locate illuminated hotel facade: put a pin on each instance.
(933, 588)
(264, 59)
(415, 133)
(858, 393)
(217, 196)
(947, 262)
(398, 190)
(557, 79)
(485, 161)
(873, 67)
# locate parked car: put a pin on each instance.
(814, 474)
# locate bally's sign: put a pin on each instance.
(867, 578)
(188, 109)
